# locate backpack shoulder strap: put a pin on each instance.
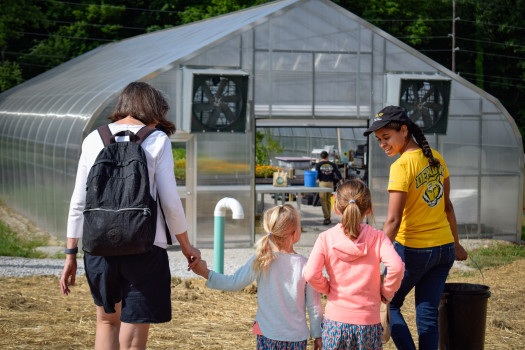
(105, 134)
(143, 133)
(168, 235)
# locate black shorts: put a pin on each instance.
(142, 282)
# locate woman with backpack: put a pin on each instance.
(131, 291)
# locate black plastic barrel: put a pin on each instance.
(463, 316)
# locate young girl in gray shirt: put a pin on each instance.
(282, 292)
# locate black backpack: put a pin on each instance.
(120, 215)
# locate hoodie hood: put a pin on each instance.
(347, 249)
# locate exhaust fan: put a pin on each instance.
(425, 98)
(217, 100)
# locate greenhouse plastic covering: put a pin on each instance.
(312, 66)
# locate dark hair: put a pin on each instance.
(324, 155)
(415, 131)
(353, 200)
(144, 103)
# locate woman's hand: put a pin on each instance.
(461, 253)
(193, 255)
(70, 270)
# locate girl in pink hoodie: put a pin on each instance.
(351, 253)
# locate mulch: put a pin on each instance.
(35, 315)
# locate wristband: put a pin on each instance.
(71, 250)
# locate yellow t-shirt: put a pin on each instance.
(424, 222)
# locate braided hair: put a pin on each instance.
(415, 131)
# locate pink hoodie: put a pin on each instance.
(354, 286)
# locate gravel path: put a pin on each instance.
(233, 259)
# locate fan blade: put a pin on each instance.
(408, 106)
(220, 89)
(228, 113)
(427, 118)
(212, 122)
(428, 93)
(207, 91)
(412, 91)
(434, 106)
(416, 115)
(231, 98)
(202, 107)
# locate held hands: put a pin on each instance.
(201, 269)
(193, 255)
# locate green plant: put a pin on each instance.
(179, 157)
(12, 245)
(523, 233)
(265, 146)
(495, 255)
(265, 170)
(179, 153)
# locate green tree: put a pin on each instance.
(92, 25)
(10, 75)
(210, 8)
(16, 18)
(17, 15)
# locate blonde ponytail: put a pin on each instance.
(353, 201)
(263, 254)
(351, 219)
(280, 224)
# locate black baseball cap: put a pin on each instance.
(387, 115)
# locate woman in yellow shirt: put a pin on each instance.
(420, 221)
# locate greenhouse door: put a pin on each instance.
(297, 144)
(184, 157)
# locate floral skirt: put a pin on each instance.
(264, 343)
(344, 336)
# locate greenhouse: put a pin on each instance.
(306, 74)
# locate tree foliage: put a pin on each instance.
(10, 75)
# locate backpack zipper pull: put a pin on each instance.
(146, 212)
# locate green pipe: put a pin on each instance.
(218, 244)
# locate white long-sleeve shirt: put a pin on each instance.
(157, 148)
(282, 296)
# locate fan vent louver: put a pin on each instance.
(219, 103)
(426, 102)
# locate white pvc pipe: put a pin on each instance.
(218, 229)
(229, 203)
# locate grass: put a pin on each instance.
(496, 255)
(12, 245)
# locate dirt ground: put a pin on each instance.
(34, 315)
